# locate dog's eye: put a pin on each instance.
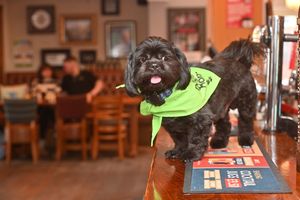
(164, 58)
(143, 59)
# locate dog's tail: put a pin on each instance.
(244, 51)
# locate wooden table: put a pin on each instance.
(166, 176)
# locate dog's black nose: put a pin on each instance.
(154, 65)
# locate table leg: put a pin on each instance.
(133, 131)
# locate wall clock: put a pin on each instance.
(40, 19)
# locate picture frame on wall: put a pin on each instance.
(239, 14)
(142, 2)
(187, 28)
(23, 53)
(54, 57)
(79, 29)
(40, 19)
(88, 56)
(110, 7)
(120, 37)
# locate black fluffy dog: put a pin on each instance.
(157, 65)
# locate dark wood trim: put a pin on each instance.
(1, 44)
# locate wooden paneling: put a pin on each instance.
(13, 78)
(221, 35)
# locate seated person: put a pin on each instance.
(45, 89)
(45, 86)
(45, 74)
(77, 82)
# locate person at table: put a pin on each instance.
(45, 74)
(76, 81)
(45, 88)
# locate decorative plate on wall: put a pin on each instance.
(41, 19)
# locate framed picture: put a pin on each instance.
(40, 19)
(54, 57)
(78, 29)
(23, 53)
(120, 37)
(110, 7)
(187, 28)
(88, 56)
(142, 2)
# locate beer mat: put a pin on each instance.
(234, 169)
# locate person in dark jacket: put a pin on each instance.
(76, 81)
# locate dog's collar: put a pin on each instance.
(158, 99)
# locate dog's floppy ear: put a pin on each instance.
(129, 79)
(185, 75)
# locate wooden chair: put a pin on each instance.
(71, 125)
(111, 77)
(20, 126)
(108, 124)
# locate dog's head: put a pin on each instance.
(154, 66)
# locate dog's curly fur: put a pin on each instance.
(158, 57)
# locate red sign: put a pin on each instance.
(233, 183)
(231, 162)
(239, 13)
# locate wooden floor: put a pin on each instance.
(105, 179)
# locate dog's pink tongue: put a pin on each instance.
(155, 79)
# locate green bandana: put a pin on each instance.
(183, 102)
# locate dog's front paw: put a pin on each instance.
(218, 142)
(172, 154)
(246, 139)
(191, 155)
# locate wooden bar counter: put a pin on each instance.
(165, 181)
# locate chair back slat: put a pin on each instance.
(20, 110)
(108, 104)
(108, 124)
(71, 107)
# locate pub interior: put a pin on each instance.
(69, 130)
